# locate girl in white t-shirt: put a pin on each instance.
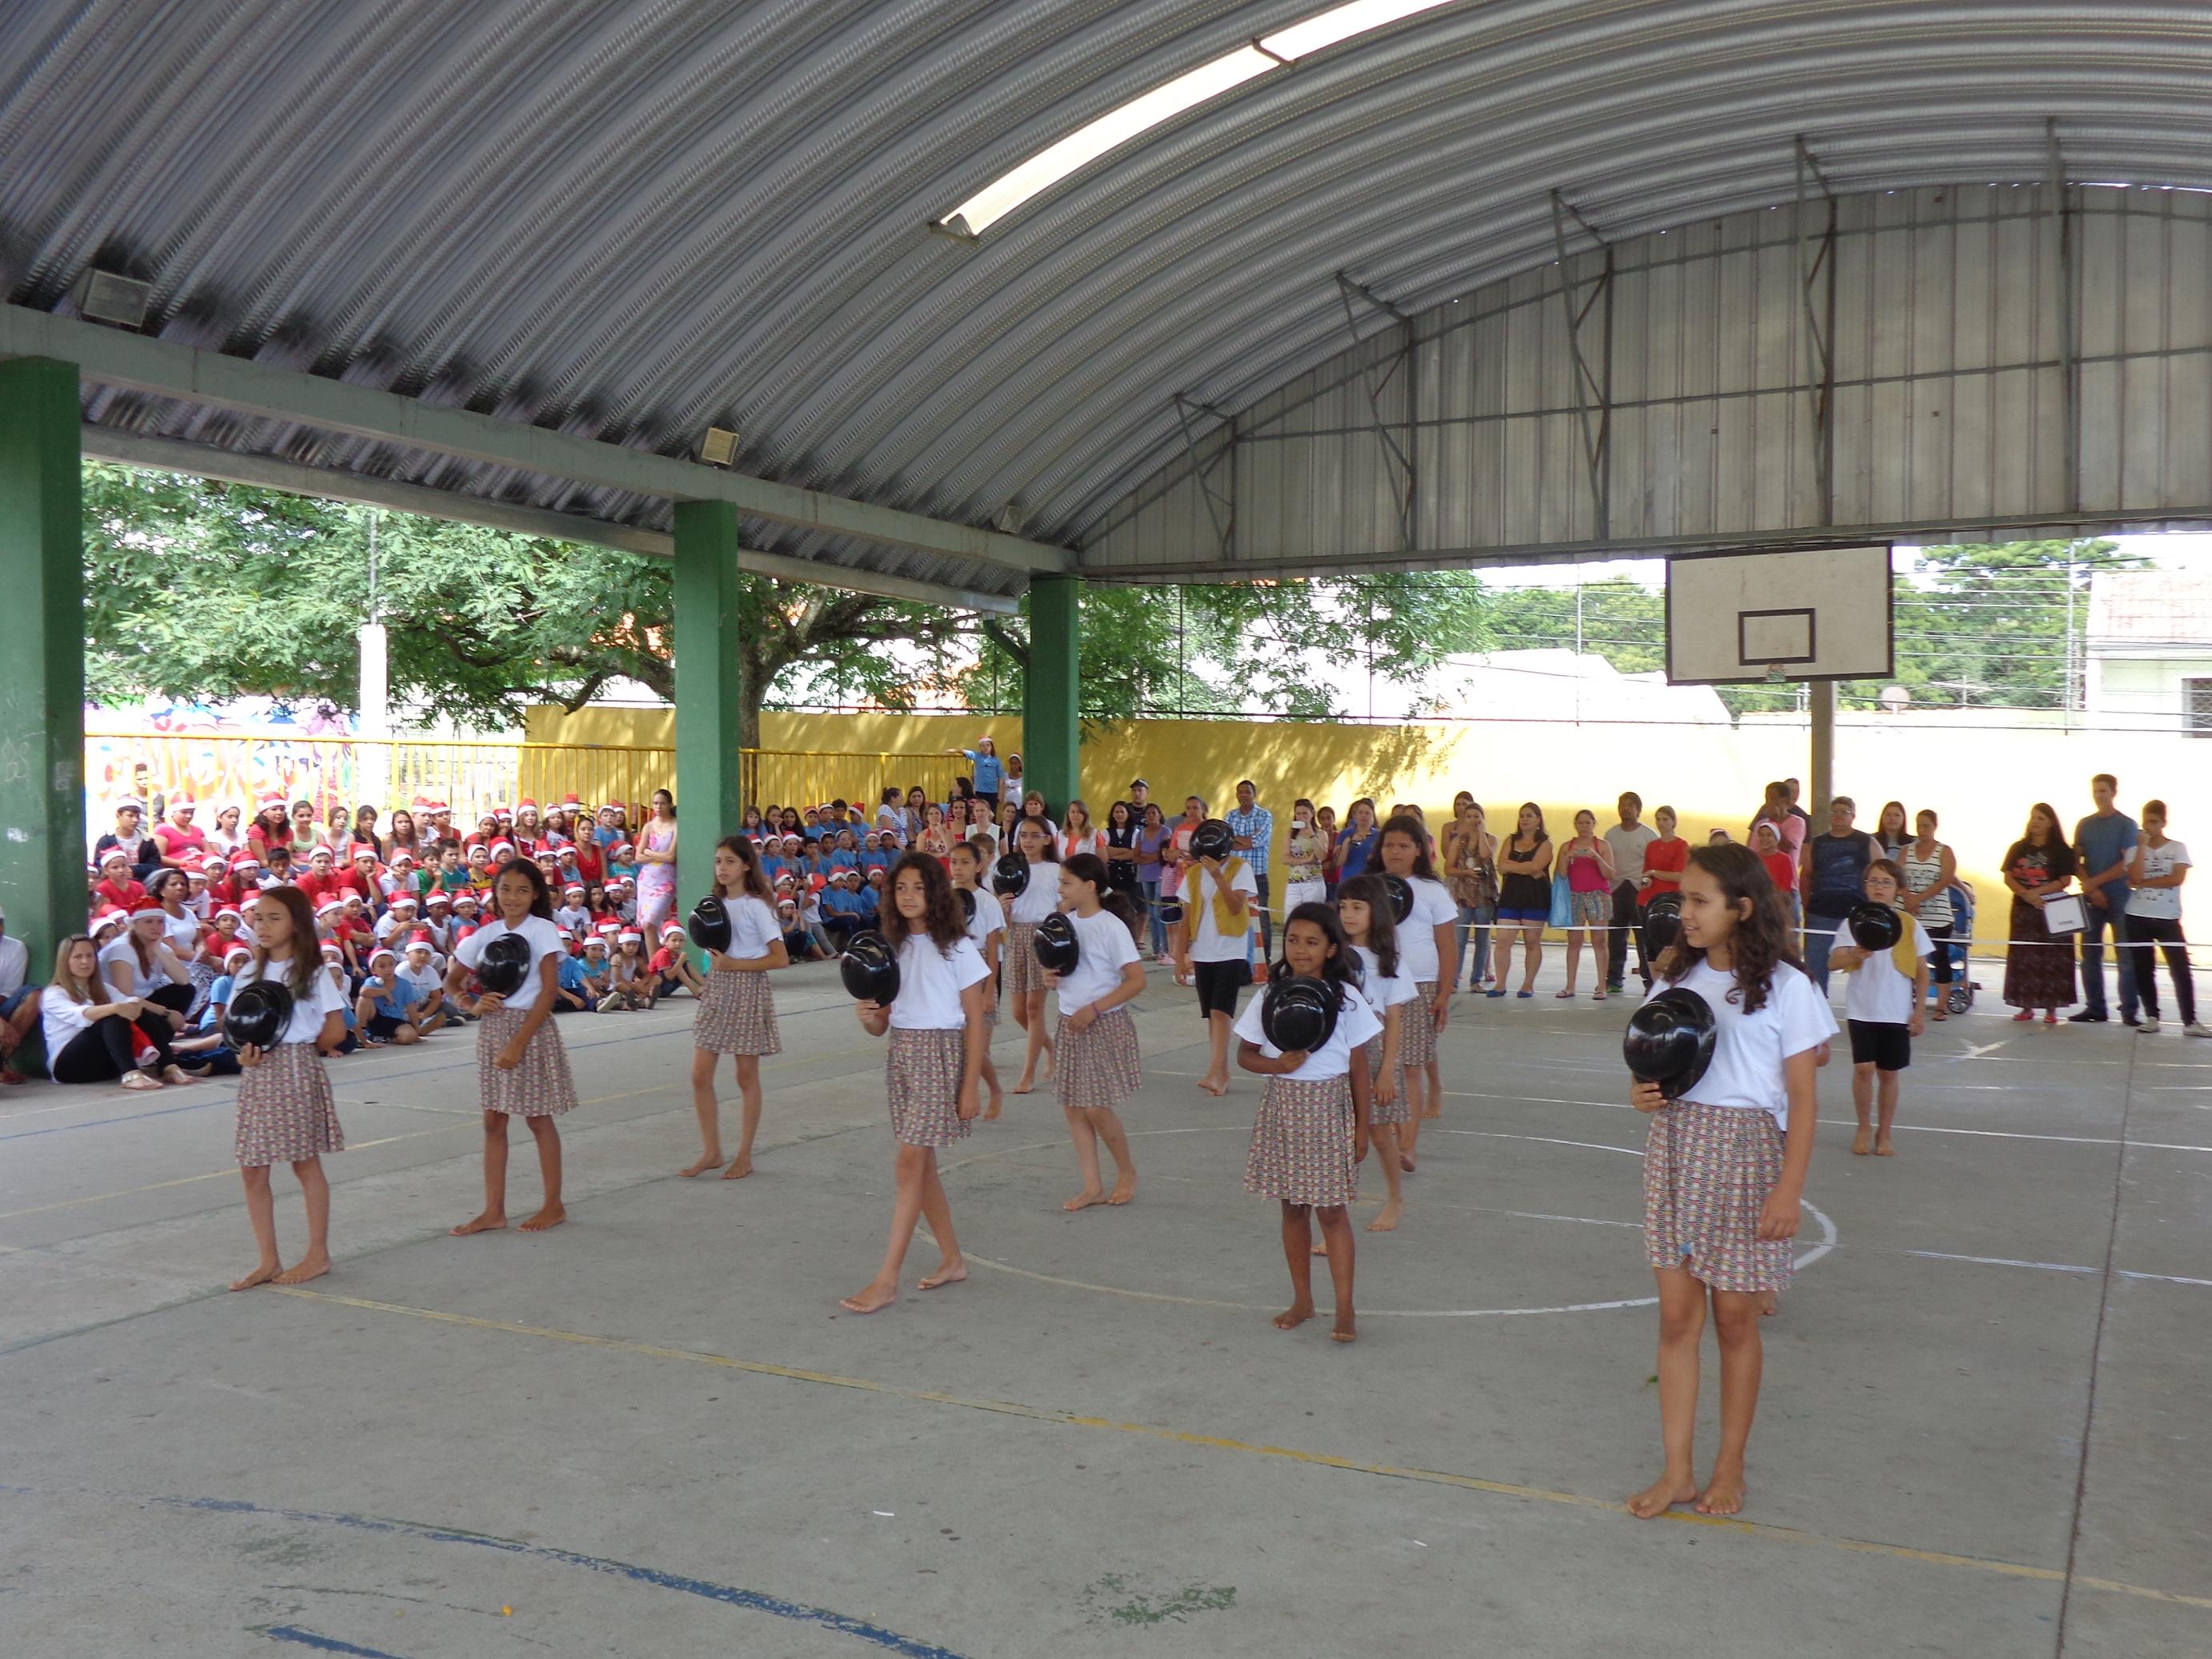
(1723, 1177)
(285, 1111)
(1097, 1039)
(987, 932)
(1363, 905)
(1311, 1131)
(1025, 980)
(736, 1011)
(522, 1065)
(2158, 867)
(1882, 1011)
(1427, 940)
(933, 1073)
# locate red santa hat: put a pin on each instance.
(270, 799)
(465, 896)
(361, 849)
(607, 928)
(419, 940)
(329, 905)
(407, 899)
(146, 905)
(572, 802)
(675, 928)
(502, 842)
(527, 805)
(112, 855)
(243, 859)
(576, 887)
(504, 814)
(624, 937)
(234, 953)
(403, 856)
(227, 910)
(380, 952)
(332, 951)
(320, 851)
(113, 916)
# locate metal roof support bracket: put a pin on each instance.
(1398, 456)
(1220, 503)
(1814, 225)
(1593, 385)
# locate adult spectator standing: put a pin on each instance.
(1140, 797)
(1471, 873)
(1832, 875)
(1253, 827)
(1626, 840)
(2155, 872)
(1175, 855)
(2039, 967)
(1793, 788)
(1930, 869)
(2104, 846)
(890, 816)
(1892, 831)
(1154, 835)
(1357, 843)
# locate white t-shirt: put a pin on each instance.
(1383, 991)
(990, 918)
(184, 933)
(754, 929)
(14, 964)
(1877, 992)
(544, 941)
(306, 1012)
(1417, 940)
(1207, 942)
(1107, 950)
(1039, 899)
(1749, 1048)
(142, 981)
(931, 981)
(60, 1019)
(1355, 1024)
(1628, 847)
(1068, 843)
(2155, 902)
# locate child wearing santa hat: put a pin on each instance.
(631, 987)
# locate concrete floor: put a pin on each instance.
(654, 1432)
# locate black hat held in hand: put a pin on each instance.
(869, 968)
(1298, 1014)
(1669, 1040)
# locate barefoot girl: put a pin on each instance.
(1723, 1177)
(1214, 944)
(934, 1070)
(1363, 905)
(987, 932)
(1024, 983)
(1311, 1132)
(1882, 1009)
(1427, 940)
(285, 1112)
(522, 1066)
(1097, 1039)
(736, 1011)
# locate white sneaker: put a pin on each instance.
(2149, 1028)
(2198, 1028)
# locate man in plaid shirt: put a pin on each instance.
(1254, 827)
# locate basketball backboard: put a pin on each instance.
(1820, 613)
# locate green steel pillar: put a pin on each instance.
(709, 778)
(42, 836)
(1051, 725)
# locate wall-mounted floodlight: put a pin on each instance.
(104, 297)
(719, 447)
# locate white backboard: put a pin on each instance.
(1796, 614)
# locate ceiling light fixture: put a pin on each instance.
(718, 446)
(102, 296)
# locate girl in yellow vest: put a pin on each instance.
(1883, 1008)
(1213, 940)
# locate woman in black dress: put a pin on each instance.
(2039, 967)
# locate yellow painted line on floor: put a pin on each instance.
(1221, 1443)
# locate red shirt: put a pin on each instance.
(1783, 868)
(125, 898)
(175, 840)
(1664, 862)
(664, 961)
(319, 888)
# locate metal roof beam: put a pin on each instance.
(140, 363)
(174, 455)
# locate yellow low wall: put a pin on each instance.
(1980, 783)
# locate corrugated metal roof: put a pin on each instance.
(628, 221)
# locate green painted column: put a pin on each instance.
(1052, 727)
(709, 777)
(42, 834)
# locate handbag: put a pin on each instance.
(1562, 901)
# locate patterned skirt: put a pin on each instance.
(737, 1016)
(1397, 1111)
(1707, 1170)
(2038, 974)
(540, 1086)
(921, 1080)
(285, 1112)
(1098, 1068)
(1417, 1027)
(1017, 961)
(1301, 1143)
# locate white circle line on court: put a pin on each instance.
(1827, 1244)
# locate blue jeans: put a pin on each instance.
(2092, 959)
(1820, 939)
(1474, 920)
(1152, 892)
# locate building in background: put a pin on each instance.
(2148, 654)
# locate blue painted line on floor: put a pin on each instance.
(308, 1638)
(729, 1595)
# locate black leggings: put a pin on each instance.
(108, 1048)
(2164, 931)
(1942, 962)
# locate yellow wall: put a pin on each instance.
(1981, 783)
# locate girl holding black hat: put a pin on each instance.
(737, 1010)
(987, 932)
(1213, 940)
(285, 1110)
(1311, 1131)
(1097, 1039)
(934, 1072)
(1363, 906)
(522, 1065)
(1025, 980)
(1724, 1167)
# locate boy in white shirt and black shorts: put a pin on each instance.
(1883, 1008)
